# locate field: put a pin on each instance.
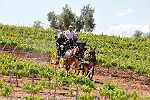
(124, 58)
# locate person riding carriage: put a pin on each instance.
(60, 45)
(60, 42)
(71, 36)
(58, 31)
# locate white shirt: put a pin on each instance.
(71, 34)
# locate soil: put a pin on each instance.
(122, 78)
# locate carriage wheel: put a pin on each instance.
(61, 63)
(53, 59)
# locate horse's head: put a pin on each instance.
(76, 51)
(79, 51)
(92, 54)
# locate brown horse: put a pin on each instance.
(70, 57)
(89, 61)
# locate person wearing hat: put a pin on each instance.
(70, 35)
(60, 45)
(76, 38)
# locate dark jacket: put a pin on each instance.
(61, 41)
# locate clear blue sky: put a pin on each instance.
(111, 16)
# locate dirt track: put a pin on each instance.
(120, 77)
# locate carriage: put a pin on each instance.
(76, 56)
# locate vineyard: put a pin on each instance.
(122, 70)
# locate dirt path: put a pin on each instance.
(120, 77)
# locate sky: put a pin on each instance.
(112, 17)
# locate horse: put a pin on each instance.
(89, 61)
(73, 55)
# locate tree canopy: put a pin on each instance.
(37, 24)
(53, 19)
(85, 21)
(138, 33)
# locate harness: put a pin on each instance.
(88, 58)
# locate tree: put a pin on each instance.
(53, 19)
(89, 23)
(60, 20)
(37, 24)
(79, 23)
(147, 35)
(88, 18)
(138, 33)
(67, 17)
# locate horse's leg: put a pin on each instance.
(75, 70)
(89, 68)
(66, 66)
(92, 73)
(67, 70)
(78, 69)
(75, 64)
(75, 67)
(86, 71)
(82, 69)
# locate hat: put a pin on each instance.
(70, 26)
(61, 33)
